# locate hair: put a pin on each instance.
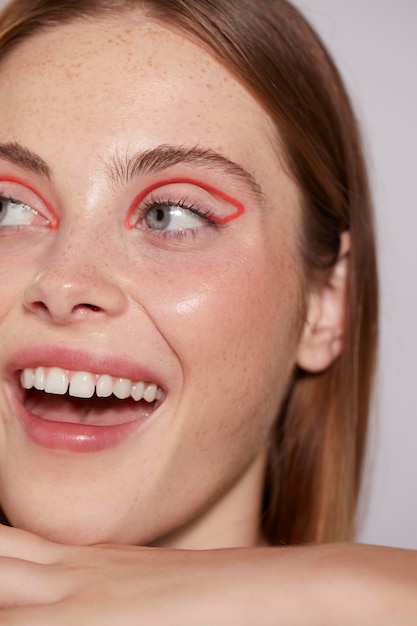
(317, 447)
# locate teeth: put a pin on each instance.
(104, 387)
(40, 379)
(122, 388)
(28, 377)
(137, 391)
(150, 393)
(84, 384)
(56, 381)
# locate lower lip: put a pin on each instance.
(73, 437)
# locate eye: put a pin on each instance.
(179, 208)
(170, 217)
(21, 206)
(16, 213)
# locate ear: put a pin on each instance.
(322, 338)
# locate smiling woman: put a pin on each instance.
(188, 308)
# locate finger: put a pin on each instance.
(23, 583)
(20, 544)
(70, 613)
(33, 616)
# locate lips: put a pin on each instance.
(81, 409)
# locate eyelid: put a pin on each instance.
(54, 220)
(240, 209)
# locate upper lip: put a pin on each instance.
(93, 361)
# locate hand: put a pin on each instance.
(45, 584)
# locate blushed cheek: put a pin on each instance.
(240, 317)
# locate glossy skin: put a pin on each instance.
(213, 313)
(216, 316)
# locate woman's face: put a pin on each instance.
(148, 234)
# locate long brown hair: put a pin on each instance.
(317, 449)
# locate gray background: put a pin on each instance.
(375, 45)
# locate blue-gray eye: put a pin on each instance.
(169, 217)
(158, 217)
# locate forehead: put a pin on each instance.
(128, 84)
(132, 62)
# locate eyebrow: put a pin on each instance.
(25, 158)
(123, 170)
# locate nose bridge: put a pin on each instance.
(79, 252)
(75, 278)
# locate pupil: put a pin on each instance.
(158, 217)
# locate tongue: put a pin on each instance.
(94, 411)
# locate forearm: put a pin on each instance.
(330, 584)
(43, 583)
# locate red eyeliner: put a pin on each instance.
(240, 209)
(54, 222)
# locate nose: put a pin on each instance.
(75, 283)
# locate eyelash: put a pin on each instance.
(7, 198)
(29, 197)
(206, 215)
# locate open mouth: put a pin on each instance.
(65, 396)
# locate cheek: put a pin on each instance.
(234, 323)
(20, 258)
(14, 269)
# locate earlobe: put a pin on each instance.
(323, 334)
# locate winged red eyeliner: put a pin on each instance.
(240, 209)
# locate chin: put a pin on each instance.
(75, 527)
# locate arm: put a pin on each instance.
(42, 583)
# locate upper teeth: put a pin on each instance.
(83, 384)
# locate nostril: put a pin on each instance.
(86, 305)
(50, 297)
(40, 306)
